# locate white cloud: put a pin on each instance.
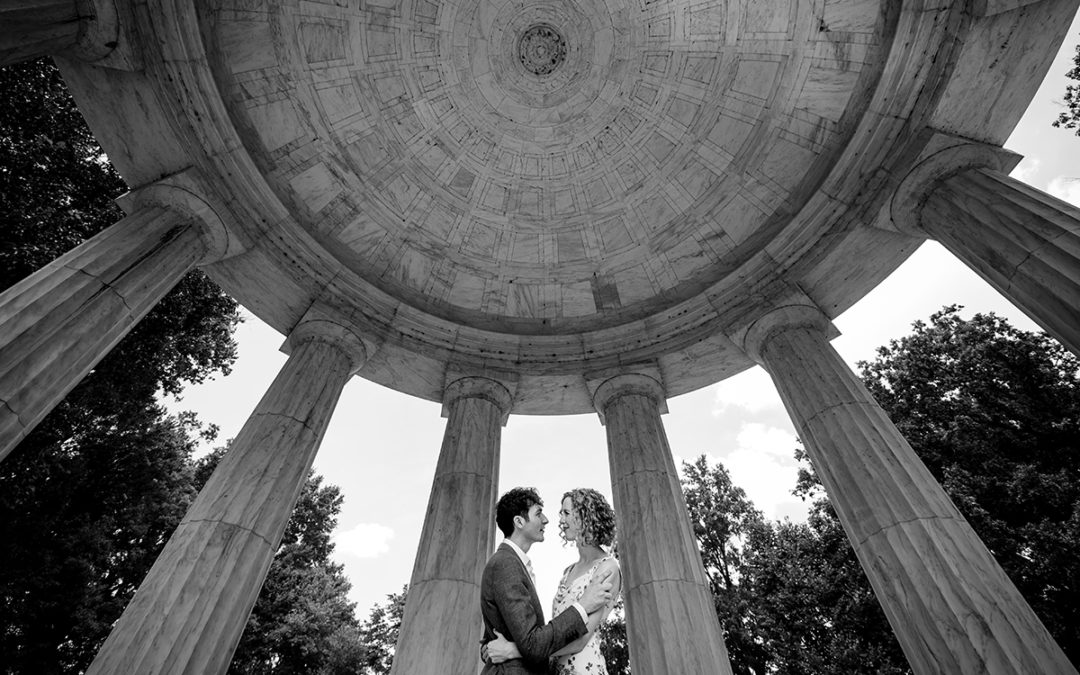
(767, 440)
(366, 540)
(1025, 171)
(1066, 188)
(751, 390)
(763, 464)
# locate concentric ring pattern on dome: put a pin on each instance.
(666, 144)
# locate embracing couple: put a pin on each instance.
(516, 638)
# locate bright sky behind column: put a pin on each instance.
(381, 446)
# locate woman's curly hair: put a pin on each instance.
(596, 516)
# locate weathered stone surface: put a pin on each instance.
(623, 207)
(61, 320)
(440, 629)
(1022, 241)
(395, 172)
(191, 608)
(670, 615)
(948, 601)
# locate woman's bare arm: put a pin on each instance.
(597, 617)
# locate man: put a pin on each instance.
(508, 599)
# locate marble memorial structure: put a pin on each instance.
(522, 207)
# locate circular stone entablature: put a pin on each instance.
(680, 168)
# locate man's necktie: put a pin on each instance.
(532, 575)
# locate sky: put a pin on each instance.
(381, 446)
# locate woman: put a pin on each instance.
(588, 521)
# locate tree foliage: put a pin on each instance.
(1070, 117)
(816, 613)
(613, 641)
(88, 500)
(379, 633)
(82, 522)
(57, 184)
(791, 597)
(994, 412)
(302, 621)
(90, 496)
(723, 518)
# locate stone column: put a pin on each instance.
(670, 615)
(190, 610)
(29, 29)
(56, 324)
(948, 601)
(1022, 241)
(440, 629)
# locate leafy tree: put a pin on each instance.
(791, 597)
(613, 642)
(994, 412)
(88, 499)
(816, 612)
(1070, 117)
(302, 621)
(81, 524)
(58, 188)
(723, 517)
(379, 633)
(57, 184)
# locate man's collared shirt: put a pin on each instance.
(529, 568)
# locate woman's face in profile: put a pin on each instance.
(569, 524)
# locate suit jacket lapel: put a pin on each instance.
(528, 578)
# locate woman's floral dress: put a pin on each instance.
(589, 661)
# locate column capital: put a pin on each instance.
(625, 384)
(321, 325)
(184, 192)
(475, 386)
(796, 313)
(99, 30)
(944, 155)
(91, 31)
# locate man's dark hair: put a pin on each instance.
(516, 502)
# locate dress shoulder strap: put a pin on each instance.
(592, 570)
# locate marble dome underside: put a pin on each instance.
(544, 166)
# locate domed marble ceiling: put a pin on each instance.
(545, 167)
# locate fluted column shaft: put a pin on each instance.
(440, 628)
(670, 614)
(190, 610)
(56, 324)
(953, 609)
(1022, 241)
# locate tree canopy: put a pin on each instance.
(1070, 117)
(379, 633)
(993, 412)
(90, 496)
(303, 621)
(88, 500)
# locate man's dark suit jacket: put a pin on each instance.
(509, 604)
